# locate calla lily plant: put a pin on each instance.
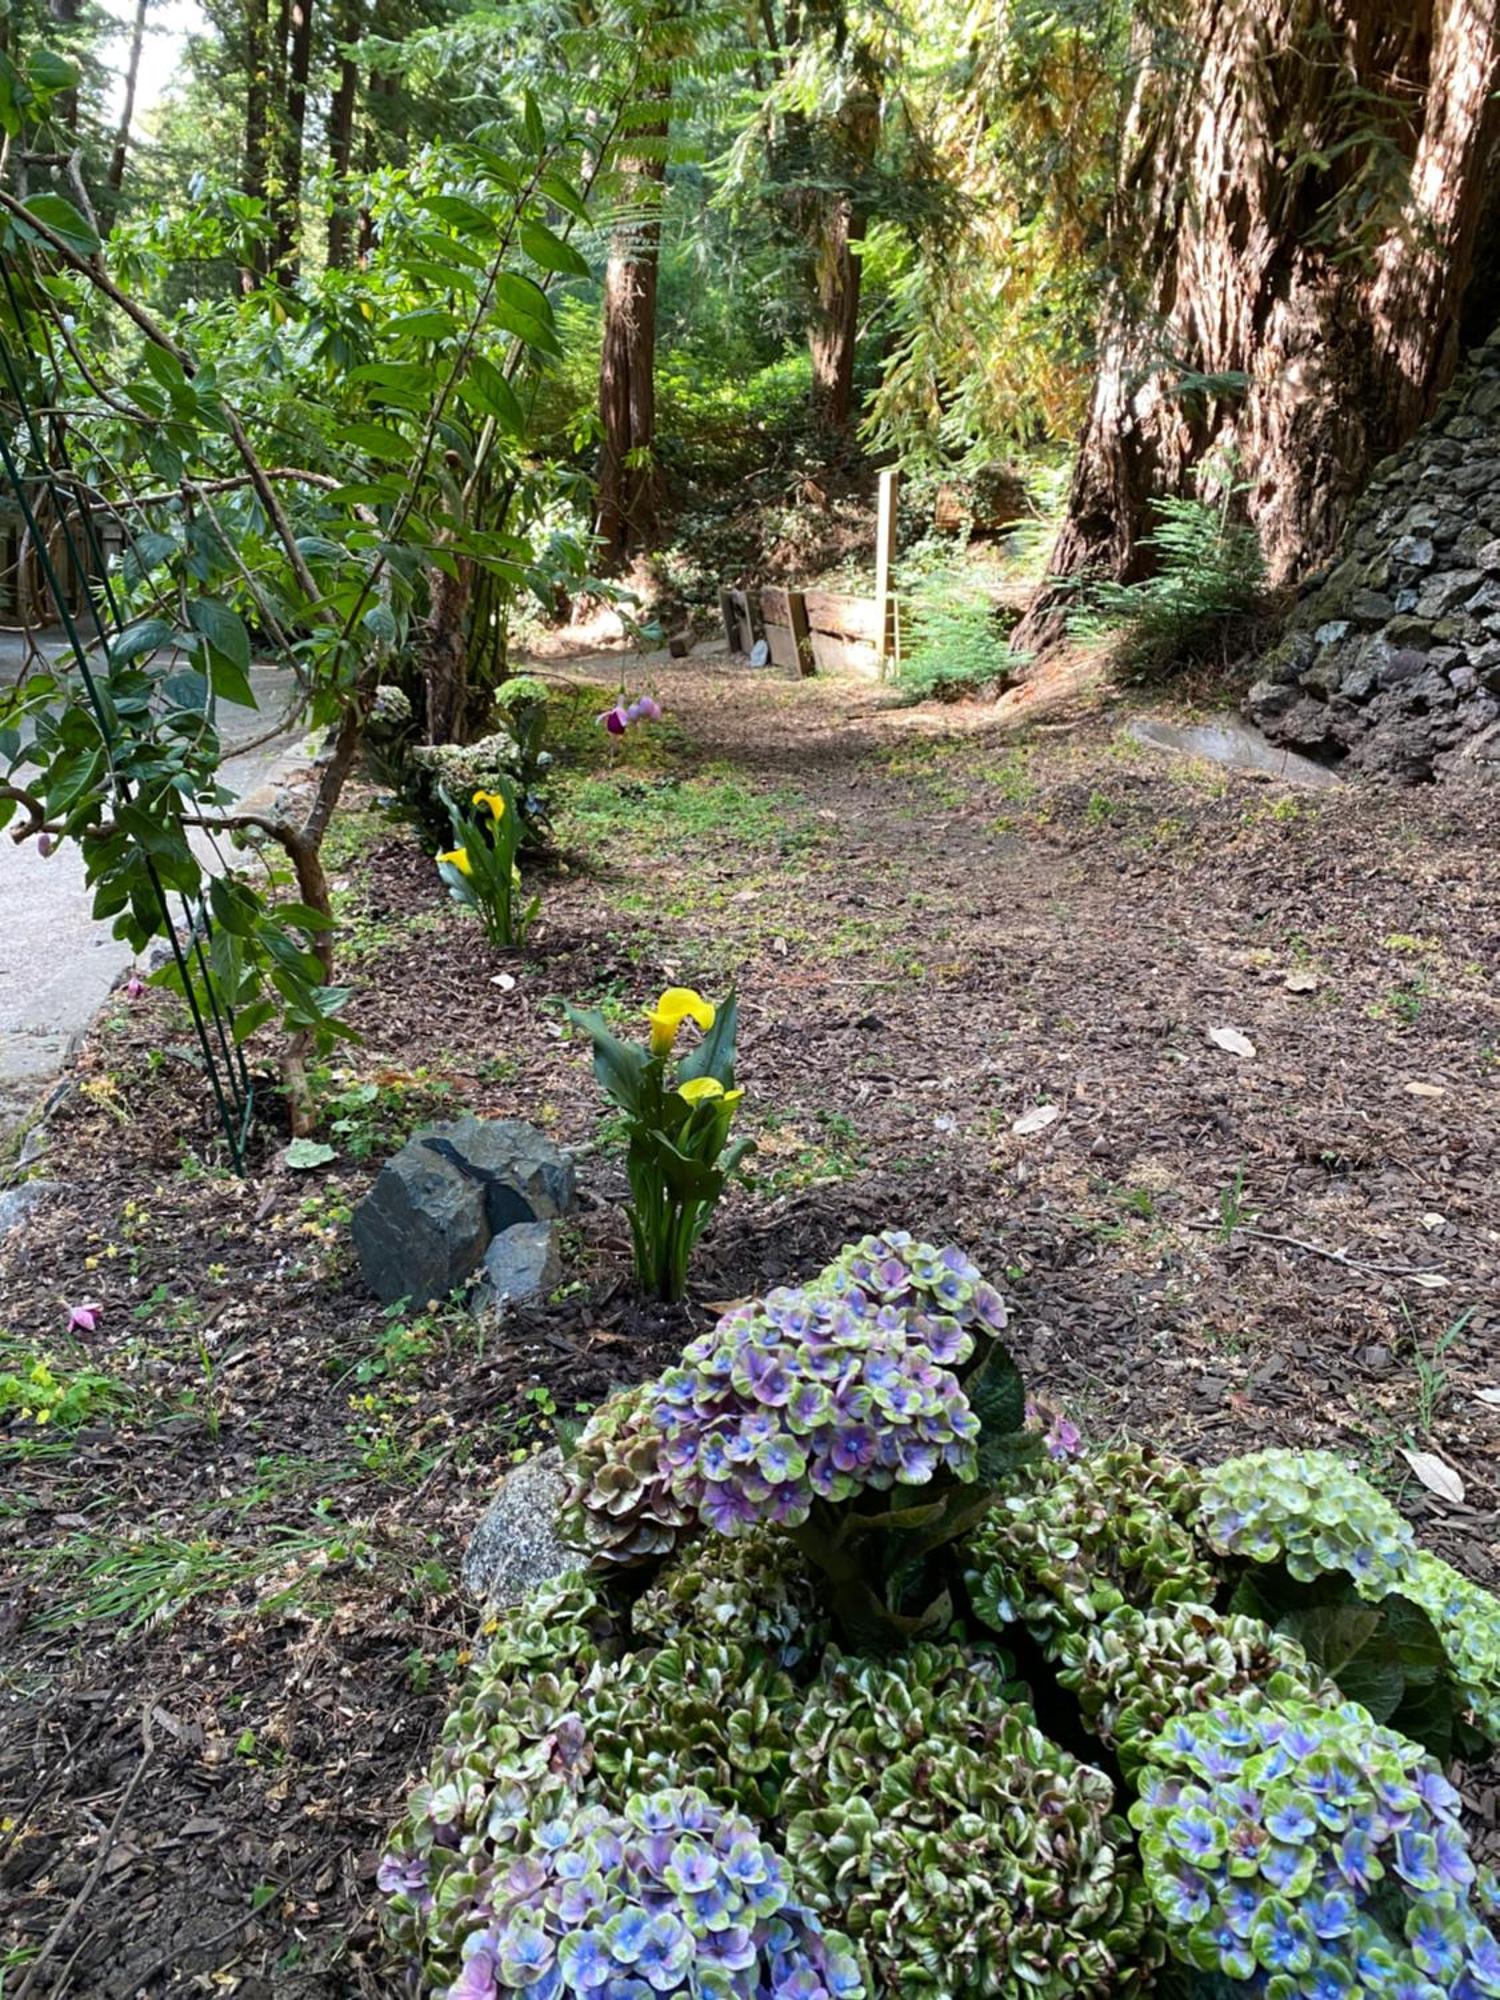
(679, 1110)
(480, 868)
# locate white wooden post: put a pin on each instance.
(885, 554)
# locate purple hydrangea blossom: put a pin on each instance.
(822, 1391)
(1288, 1838)
(675, 1896)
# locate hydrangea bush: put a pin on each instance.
(1077, 1541)
(771, 1741)
(1304, 1850)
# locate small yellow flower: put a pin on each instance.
(459, 858)
(676, 1005)
(704, 1089)
(494, 800)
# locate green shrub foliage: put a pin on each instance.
(688, 1770)
(930, 1818)
(1077, 1541)
(755, 1590)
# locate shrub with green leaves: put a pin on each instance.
(1209, 584)
(694, 1712)
(1306, 1851)
(1468, 1624)
(962, 1851)
(1306, 1509)
(620, 1509)
(756, 1590)
(1135, 1671)
(1079, 1540)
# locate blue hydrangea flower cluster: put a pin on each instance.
(1468, 1623)
(1308, 1509)
(1310, 1854)
(822, 1391)
(674, 1896)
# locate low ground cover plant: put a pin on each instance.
(859, 1691)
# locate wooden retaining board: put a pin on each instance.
(845, 633)
(784, 613)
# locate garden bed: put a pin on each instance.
(231, 1558)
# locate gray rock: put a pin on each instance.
(1413, 549)
(516, 1545)
(427, 1223)
(520, 1263)
(1371, 607)
(1487, 556)
(18, 1203)
(1401, 666)
(1442, 593)
(508, 1154)
(422, 1228)
(1336, 628)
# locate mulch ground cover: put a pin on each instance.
(982, 967)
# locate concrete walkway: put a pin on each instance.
(57, 965)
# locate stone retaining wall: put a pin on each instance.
(1391, 661)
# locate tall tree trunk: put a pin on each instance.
(64, 14)
(629, 492)
(127, 109)
(837, 230)
(257, 166)
(1301, 182)
(286, 252)
(341, 139)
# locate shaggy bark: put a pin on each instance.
(286, 248)
(1303, 181)
(127, 108)
(629, 496)
(838, 228)
(341, 140)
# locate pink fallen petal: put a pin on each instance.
(84, 1318)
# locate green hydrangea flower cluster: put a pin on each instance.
(1308, 1510)
(1468, 1623)
(1080, 1540)
(619, 1510)
(754, 1590)
(963, 1852)
(1305, 1851)
(1135, 1671)
(695, 1712)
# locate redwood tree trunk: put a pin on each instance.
(1301, 183)
(127, 108)
(838, 228)
(286, 253)
(629, 496)
(341, 141)
(257, 115)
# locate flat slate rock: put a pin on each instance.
(17, 1203)
(520, 1263)
(516, 1546)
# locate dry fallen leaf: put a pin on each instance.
(1435, 1474)
(504, 980)
(1423, 1089)
(1036, 1121)
(1232, 1040)
(1430, 1281)
(1302, 981)
(1490, 1396)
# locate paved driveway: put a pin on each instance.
(56, 963)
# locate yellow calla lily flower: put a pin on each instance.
(708, 1090)
(676, 1005)
(698, 1089)
(459, 858)
(494, 800)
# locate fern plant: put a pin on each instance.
(1209, 584)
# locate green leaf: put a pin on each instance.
(303, 1154)
(485, 389)
(47, 70)
(376, 440)
(223, 629)
(564, 195)
(996, 1393)
(65, 221)
(535, 130)
(619, 1066)
(427, 323)
(147, 637)
(549, 250)
(714, 1055)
